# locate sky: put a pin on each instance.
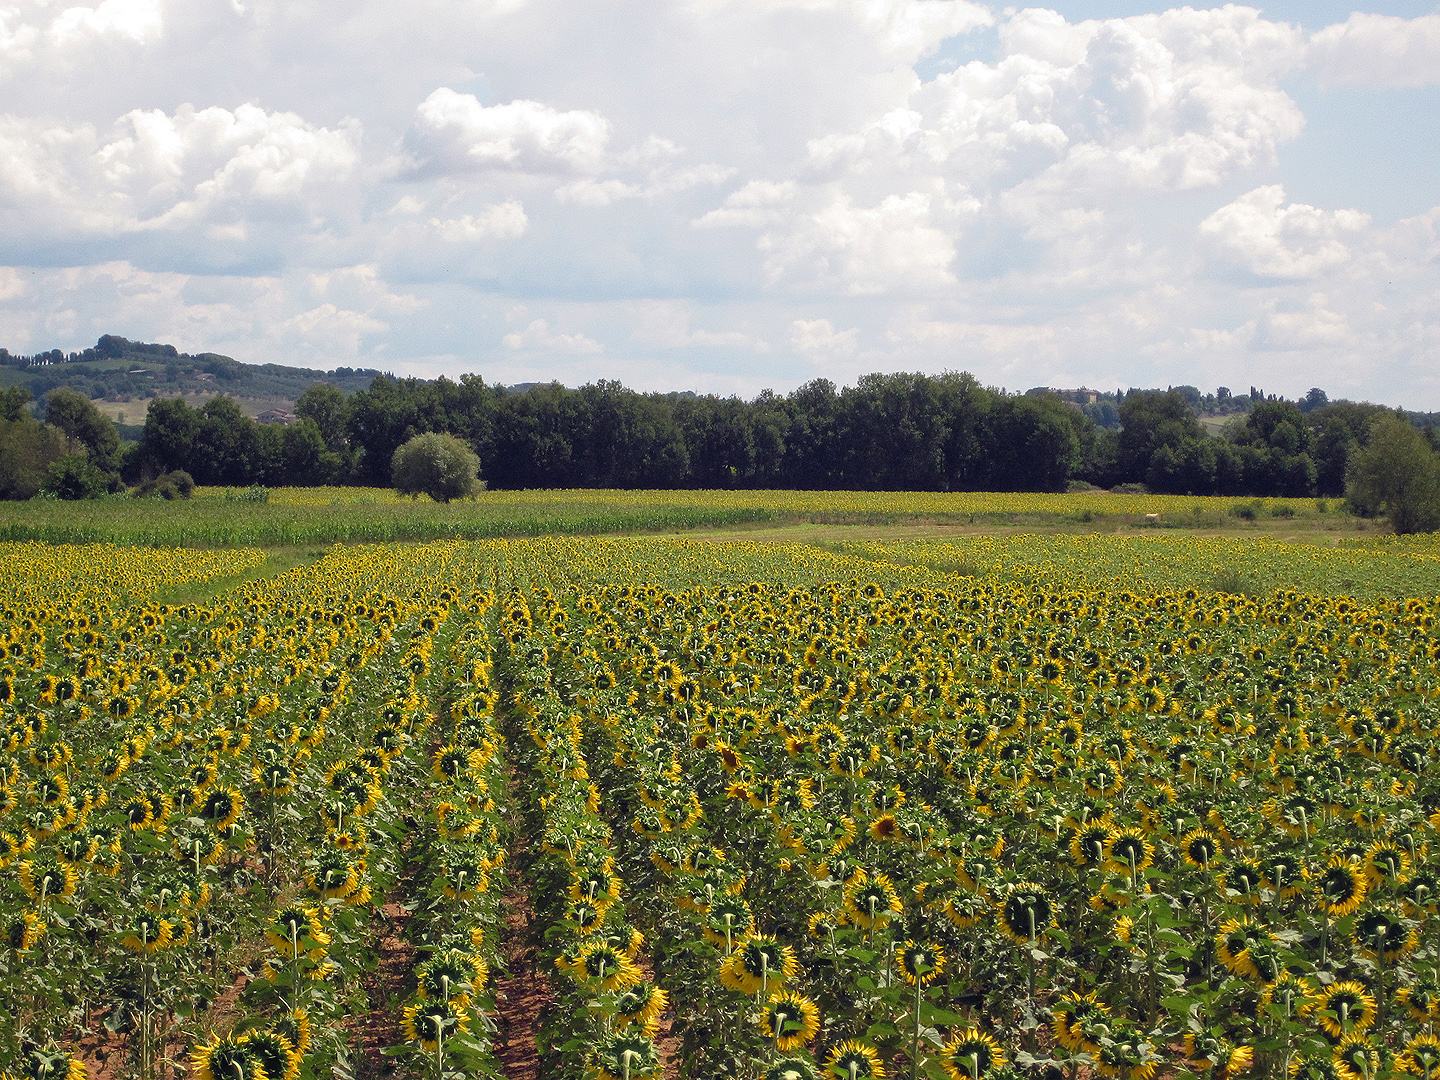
(733, 195)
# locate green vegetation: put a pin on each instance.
(440, 466)
(1397, 474)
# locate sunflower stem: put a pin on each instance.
(915, 1036)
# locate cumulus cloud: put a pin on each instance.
(905, 29)
(503, 221)
(538, 337)
(1176, 101)
(158, 171)
(865, 249)
(454, 133)
(1379, 50)
(818, 339)
(758, 203)
(666, 324)
(137, 20)
(1261, 233)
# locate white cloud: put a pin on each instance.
(1271, 239)
(666, 324)
(1379, 50)
(757, 203)
(818, 339)
(538, 337)
(159, 171)
(503, 221)
(893, 245)
(905, 29)
(138, 20)
(454, 133)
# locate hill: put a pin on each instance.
(124, 376)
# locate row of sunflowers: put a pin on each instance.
(778, 812)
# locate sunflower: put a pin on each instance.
(1126, 1053)
(149, 934)
(728, 920)
(229, 1058)
(276, 1053)
(642, 1004)
(297, 929)
(625, 1056)
(44, 879)
(1420, 1058)
(1422, 999)
(1244, 877)
(429, 1021)
(791, 1019)
(1384, 862)
(49, 1065)
(1284, 874)
(1314, 1068)
(607, 967)
(872, 903)
(1340, 887)
(1380, 931)
(24, 931)
(920, 964)
(1201, 848)
(971, 1055)
(448, 976)
(222, 808)
(1026, 912)
(1238, 942)
(1087, 846)
(792, 1068)
(1206, 1052)
(1356, 1058)
(1128, 851)
(758, 964)
(1069, 1011)
(854, 1060)
(1342, 1009)
(295, 1026)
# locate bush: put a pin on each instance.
(438, 465)
(1398, 474)
(1247, 511)
(177, 484)
(75, 477)
(1284, 510)
(1130, 489)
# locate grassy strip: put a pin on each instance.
(209, 522)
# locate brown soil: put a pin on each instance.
(384, 987)
(524, 990)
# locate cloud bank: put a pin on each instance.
(719, 194)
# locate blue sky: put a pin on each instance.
(730, 195)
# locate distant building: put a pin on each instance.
(276, 416)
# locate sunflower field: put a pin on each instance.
(745, 810)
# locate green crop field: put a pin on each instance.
(1061, 792)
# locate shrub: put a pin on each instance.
(438, 465)
(1284, 510)
(1247, 511)
(177, 484)
(74, 476)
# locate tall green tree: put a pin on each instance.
(77, 416)
(1397, 473)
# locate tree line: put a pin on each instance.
(902, 431)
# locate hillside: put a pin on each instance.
(124, 376)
